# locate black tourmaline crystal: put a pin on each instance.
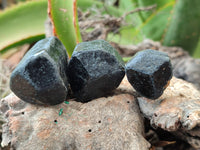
(40, 77)
(149, 72)
(94, 70)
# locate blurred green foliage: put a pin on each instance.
(23, 23)
(173, 23)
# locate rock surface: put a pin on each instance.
(42, 73)
(177, 111)
(94, 70)
(149, 72)
(105, 123)
(112, 123)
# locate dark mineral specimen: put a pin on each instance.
(40, 77)
(149, 72)
(94, 70)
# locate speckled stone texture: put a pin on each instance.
(40, 77)
(149, 72)
(94, 70)
(177, 111)
(112, 123)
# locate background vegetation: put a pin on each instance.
(173, 23)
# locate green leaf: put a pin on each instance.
(126, 59)
(184, 29)
(24, 23)
(154, 24)
(87, 4)
(21, 24)
(62, 13)
(64, 17)
(154, 27)
(145, 3)
(196, 53)
(126, 36)
(127, 6)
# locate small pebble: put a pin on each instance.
(149, 72)
(40, 77)
(95, 69)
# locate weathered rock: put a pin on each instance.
(4, 79)
(94, 70)
(149, 72)
(112, 123)
(188, 69)
(40, 77)
(177, 111)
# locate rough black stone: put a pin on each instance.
(149, 72)
(40, 77)
(94, 70)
